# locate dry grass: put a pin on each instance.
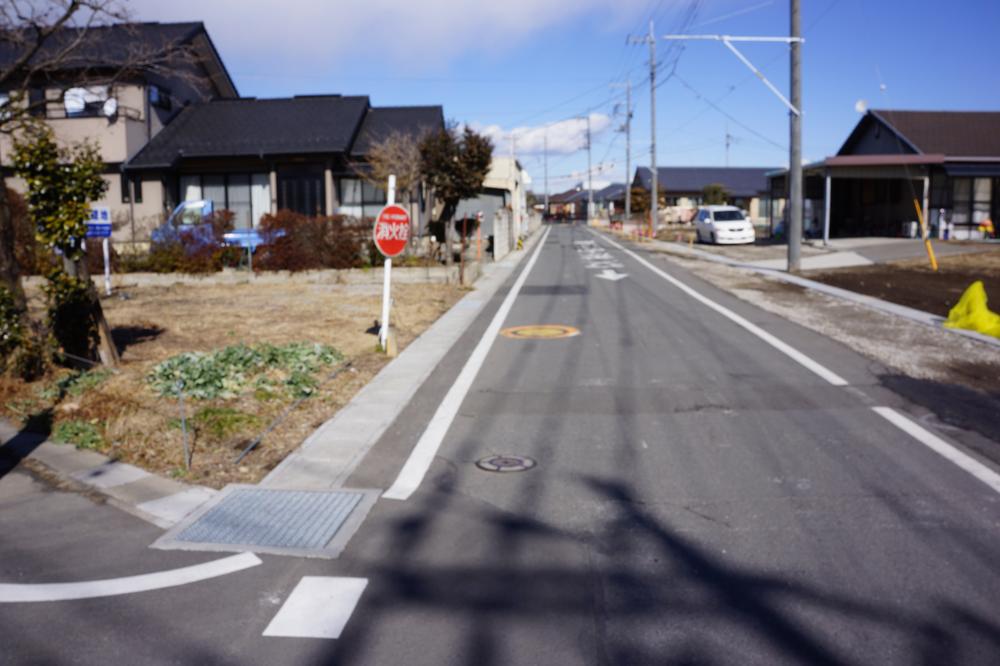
(154, 323)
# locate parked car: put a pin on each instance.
(189, 217)
(723, 224)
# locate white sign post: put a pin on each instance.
(99, 226)
(383, 336)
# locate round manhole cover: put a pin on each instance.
(540, 332)
(506, 463)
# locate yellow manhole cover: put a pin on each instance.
(540, 332)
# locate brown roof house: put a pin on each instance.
(946, 163)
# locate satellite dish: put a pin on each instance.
(110, 108)
(861, 106)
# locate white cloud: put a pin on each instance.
(564, 137)
(413, 35)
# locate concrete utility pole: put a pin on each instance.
(795, 144)
(654, 188)
(795, 120)
(628, 148)
(545, 162)
(654, 178)
(590, 177)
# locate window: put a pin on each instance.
(36, 102)
(136, 187)
(159, 97)
(246, 195)
(360, 198)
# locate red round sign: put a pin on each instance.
(392, 230)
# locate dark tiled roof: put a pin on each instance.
(107, 46)
(257, 127)
(738, 181)
(382, 121)
(612, 192)
(952, 133)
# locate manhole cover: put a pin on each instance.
(540, 332)
(310, 523)
(506, 463)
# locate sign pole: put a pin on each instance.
(387, 272)
(106, 246)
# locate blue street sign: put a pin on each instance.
(99, 224)
(98, 230)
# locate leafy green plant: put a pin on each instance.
(75, 384)
(82, 434)
(228, 372)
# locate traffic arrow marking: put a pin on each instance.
(611, 274)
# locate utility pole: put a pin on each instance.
(590, 178)
(795, 143)
(654, 179)
(545, 162)
(794, 106)
(628, 148)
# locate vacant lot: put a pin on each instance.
(120, 413)
(912, 283)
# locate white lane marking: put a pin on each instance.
(21, 593)
(941, 447)
(783, 347)
(611, 274)
(318, 607)
(423, 453)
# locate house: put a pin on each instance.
(746, 187)
(257, 156)
(180, 131)
(947, 163)
(504, 188)
(610, 201)
(139, 78)
(569, 205)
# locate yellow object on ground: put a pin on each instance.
(972, 314)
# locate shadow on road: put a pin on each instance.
(35, 431)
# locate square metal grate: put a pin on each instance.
(311, 523)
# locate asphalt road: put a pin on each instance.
(699, 497)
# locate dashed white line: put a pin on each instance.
(34, 592)
(423, 453)
(946, 450)
(318, 607)
(781, 346)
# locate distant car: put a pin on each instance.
(723, 224)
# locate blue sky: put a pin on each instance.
(532, 66)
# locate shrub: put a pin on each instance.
(10, 324)
(299, 242)
(198, 249)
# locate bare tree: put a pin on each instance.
(397, 153)
(57, 45)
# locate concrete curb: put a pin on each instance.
(918, 316)
(163, 502)
(329, 455)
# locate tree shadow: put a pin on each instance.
(127, 336)
(35, 430)
(953, 404)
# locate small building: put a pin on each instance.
(569, 205)
(683, 187)
(504, 188)
(947, 163)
